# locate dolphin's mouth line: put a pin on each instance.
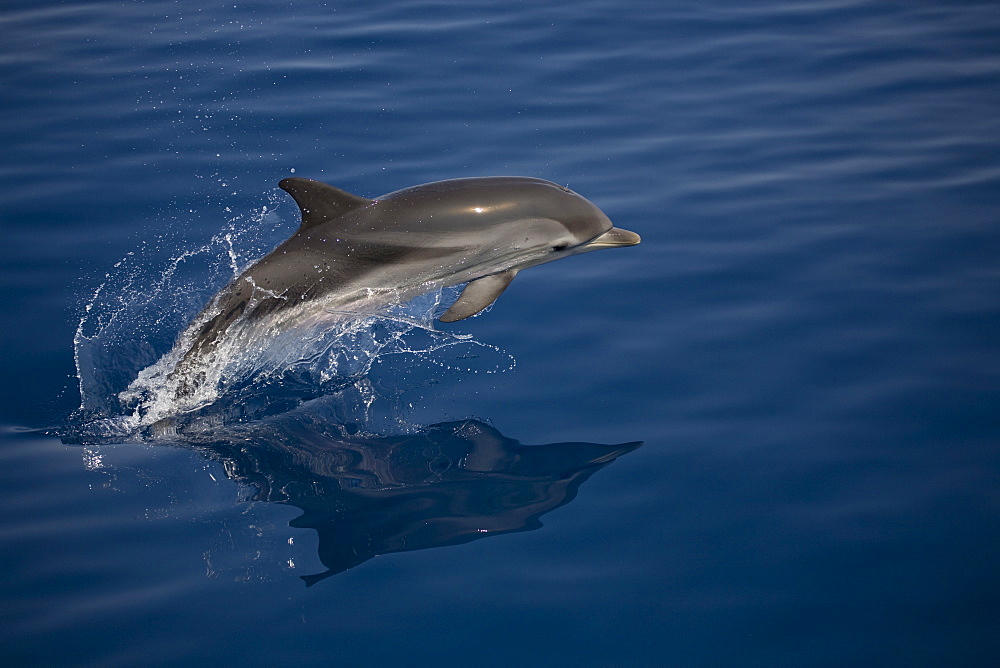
(613, 238)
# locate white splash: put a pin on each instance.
(130, 359)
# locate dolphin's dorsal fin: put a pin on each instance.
(477, 295)
(320, 202)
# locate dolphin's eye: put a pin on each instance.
(559, 247)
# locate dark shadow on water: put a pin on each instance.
(446, 484)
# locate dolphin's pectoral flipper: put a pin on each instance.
(320, 202)
(477, 295)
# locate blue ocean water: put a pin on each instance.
(805, 343)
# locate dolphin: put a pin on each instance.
(353, 254)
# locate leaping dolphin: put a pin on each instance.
(355, 253)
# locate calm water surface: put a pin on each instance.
(768, 435)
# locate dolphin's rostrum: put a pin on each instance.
(357, 254)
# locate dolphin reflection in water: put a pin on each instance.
(451, 483)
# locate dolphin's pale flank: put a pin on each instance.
(355, 254)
